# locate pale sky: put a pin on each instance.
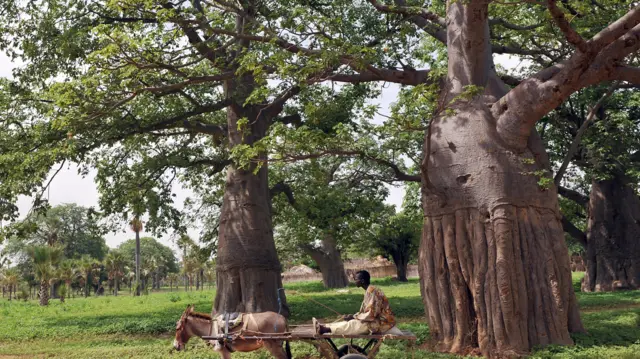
(70, 187)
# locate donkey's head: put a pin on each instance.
(183, 334)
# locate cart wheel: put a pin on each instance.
(354, 356)
(344, 349)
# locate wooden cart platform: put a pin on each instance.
(324, 343)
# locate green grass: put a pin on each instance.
(128, 327)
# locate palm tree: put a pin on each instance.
(115, 265)
(86, 265)
(131, 276)
(185, 243)
(136, 226)
(172, 278)
(10, 278)
(210, 272)
(45, 258)
(66, 273)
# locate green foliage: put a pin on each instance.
(45, 259)
(332, 201)
(63, 291)
(149, 248)
(398, 237)
(71, 227)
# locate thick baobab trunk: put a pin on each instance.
(493, 262)
(248, 277)
(401, 262)
(248, 269)
(44, 292)
(494, 266)
(613, 237)
(329, 259)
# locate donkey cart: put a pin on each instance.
(324, 343)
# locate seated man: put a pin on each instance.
(375, 315)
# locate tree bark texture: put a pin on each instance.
(493, 263)
(137, 263)
(401, 263)
(329, 259)
(44, 292)
(613, 237)
(248, 269)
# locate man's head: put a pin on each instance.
(362, 279)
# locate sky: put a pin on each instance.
(70, 187)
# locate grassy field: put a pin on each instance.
(128, 327)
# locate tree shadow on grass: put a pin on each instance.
(609, 335)
(608, 299)
(318, 287)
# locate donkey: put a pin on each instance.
(199, 324)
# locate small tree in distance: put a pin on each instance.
(136, 226)
(398, 238)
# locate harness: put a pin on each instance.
(235, 319)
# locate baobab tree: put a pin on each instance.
(190, 105)
(494, 266)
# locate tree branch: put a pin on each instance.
(507, 25)
(398, 173)
(282, 187)
(569, 33)
(182, 120)
(405, 77)
(615, 30)
(574, 232)
(510, 80)
(583, 128)
(191, 81)
(409, 11)
(628, 74)
(573, 195)
(295, 120)
(123, 20)
(518, 111)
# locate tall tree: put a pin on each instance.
(396, 236)
(115, 264)
(86, 265)
(159, 260)
(325, 202)
(595, 132)
(45, 259)
(136, 226)
(10, 278)
(66, 273)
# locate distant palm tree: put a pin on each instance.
(115, 265)
(131, 276)
(210, 272)
(185, 243)
(10, 278)
(172, 278)
(45, 258)
(136, 226)
(66, 272)
(86, 265)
